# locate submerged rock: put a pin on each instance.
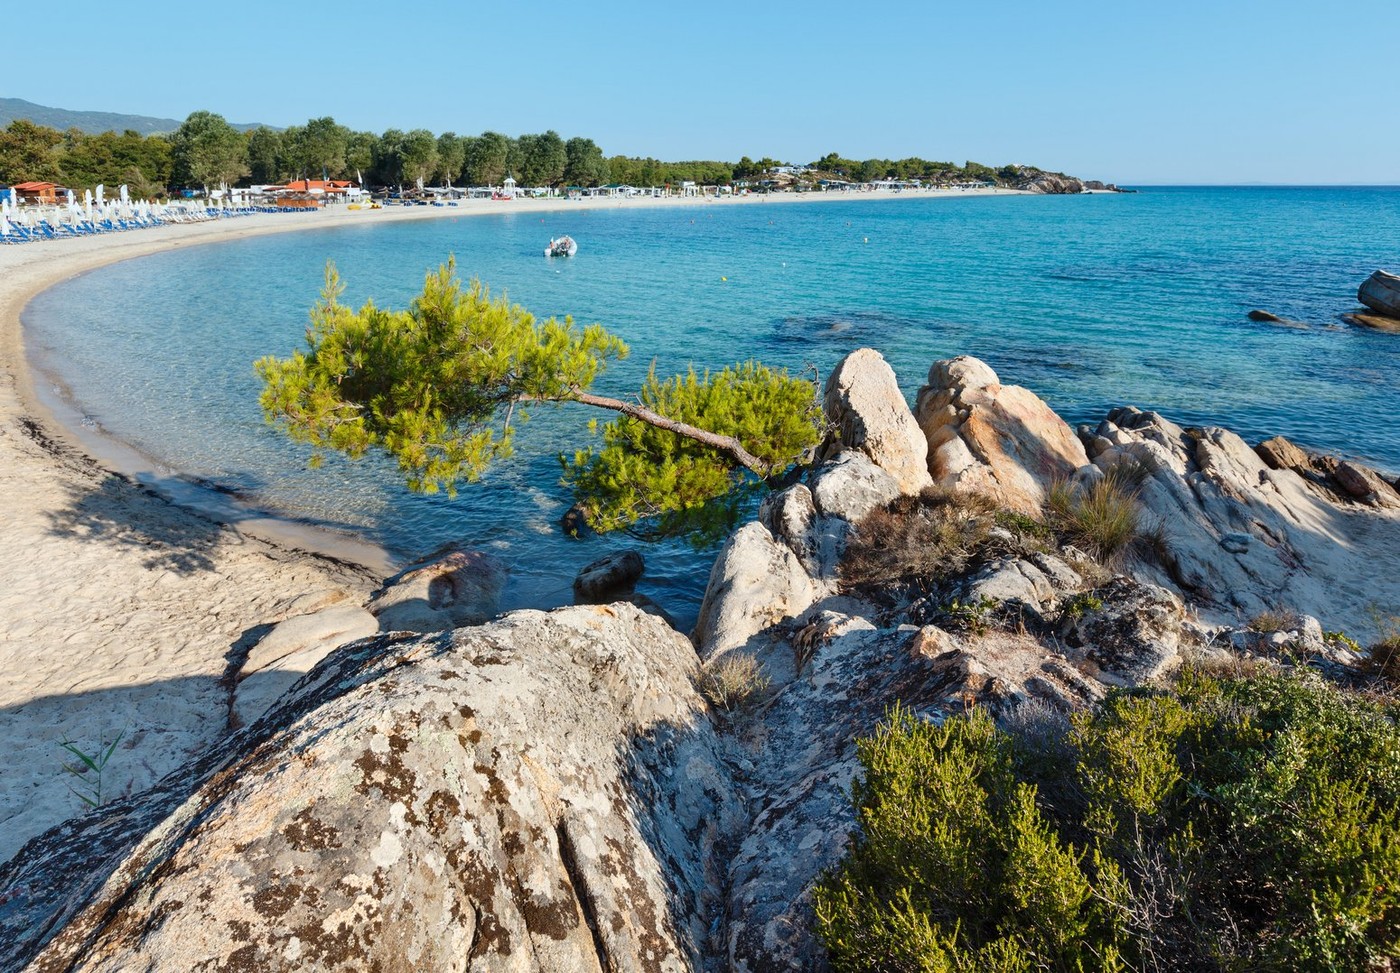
(462, 588)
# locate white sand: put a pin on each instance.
(118, 607)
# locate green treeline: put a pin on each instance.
(206, 152)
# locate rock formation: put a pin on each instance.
(550, 792)
(1244, 532)
(999, 440)
(541, 793)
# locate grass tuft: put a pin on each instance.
(734, 681)
(1104, 518)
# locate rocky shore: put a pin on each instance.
(558, 791)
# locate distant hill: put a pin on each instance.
(94, 122)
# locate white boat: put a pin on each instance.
(563, 246)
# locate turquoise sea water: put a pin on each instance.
(1091, 301)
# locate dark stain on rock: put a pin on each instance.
(244, 959)
(306, 833)
(275, 901)
(387, 774)
(442, 809)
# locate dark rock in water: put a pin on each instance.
(575, 522)
(614, 574)
(1258, 315)
(463, 588)
(1376, 322)
(1381, 293)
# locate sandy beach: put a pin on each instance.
(123, 595)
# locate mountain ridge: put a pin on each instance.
(92, 122)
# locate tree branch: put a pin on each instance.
(725, 444)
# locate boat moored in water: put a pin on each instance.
(563, 246)
(1381, 293)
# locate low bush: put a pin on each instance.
(918, 539)
(734, 681)
(1103, 518)
(1222, 824)
(1272, 620)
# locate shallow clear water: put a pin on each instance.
(1092, 301)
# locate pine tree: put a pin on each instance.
(443, 385)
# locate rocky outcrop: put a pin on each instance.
(1053, 184)
(549, 792)
(1243, 532)
(867, 412)
(994, 439)
(542, 793)
(460, 588)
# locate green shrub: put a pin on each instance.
(1103, 518)
(1223, 824)
(971, 617)
(1084, 603)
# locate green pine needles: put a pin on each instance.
(1241, 824)
(644, 471)
(442, 386)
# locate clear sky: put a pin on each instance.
(1171, 91)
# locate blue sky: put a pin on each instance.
(1234, 91)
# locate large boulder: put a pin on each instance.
(1242, 532)
(756, 582)
(460, 588)
(543, 793)
(1000, 440)
(867, 412)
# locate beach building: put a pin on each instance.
(44, 193)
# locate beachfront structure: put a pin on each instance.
(44, 193)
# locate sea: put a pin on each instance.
(1092, 301)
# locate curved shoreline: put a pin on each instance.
(125, 596)
(63, 420)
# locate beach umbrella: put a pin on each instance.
(87, 203)
(121, 194)
(99, 194)
(4, 226)
(70, 196)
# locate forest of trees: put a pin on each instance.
(206, 152)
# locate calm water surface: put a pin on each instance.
(1092, 301)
